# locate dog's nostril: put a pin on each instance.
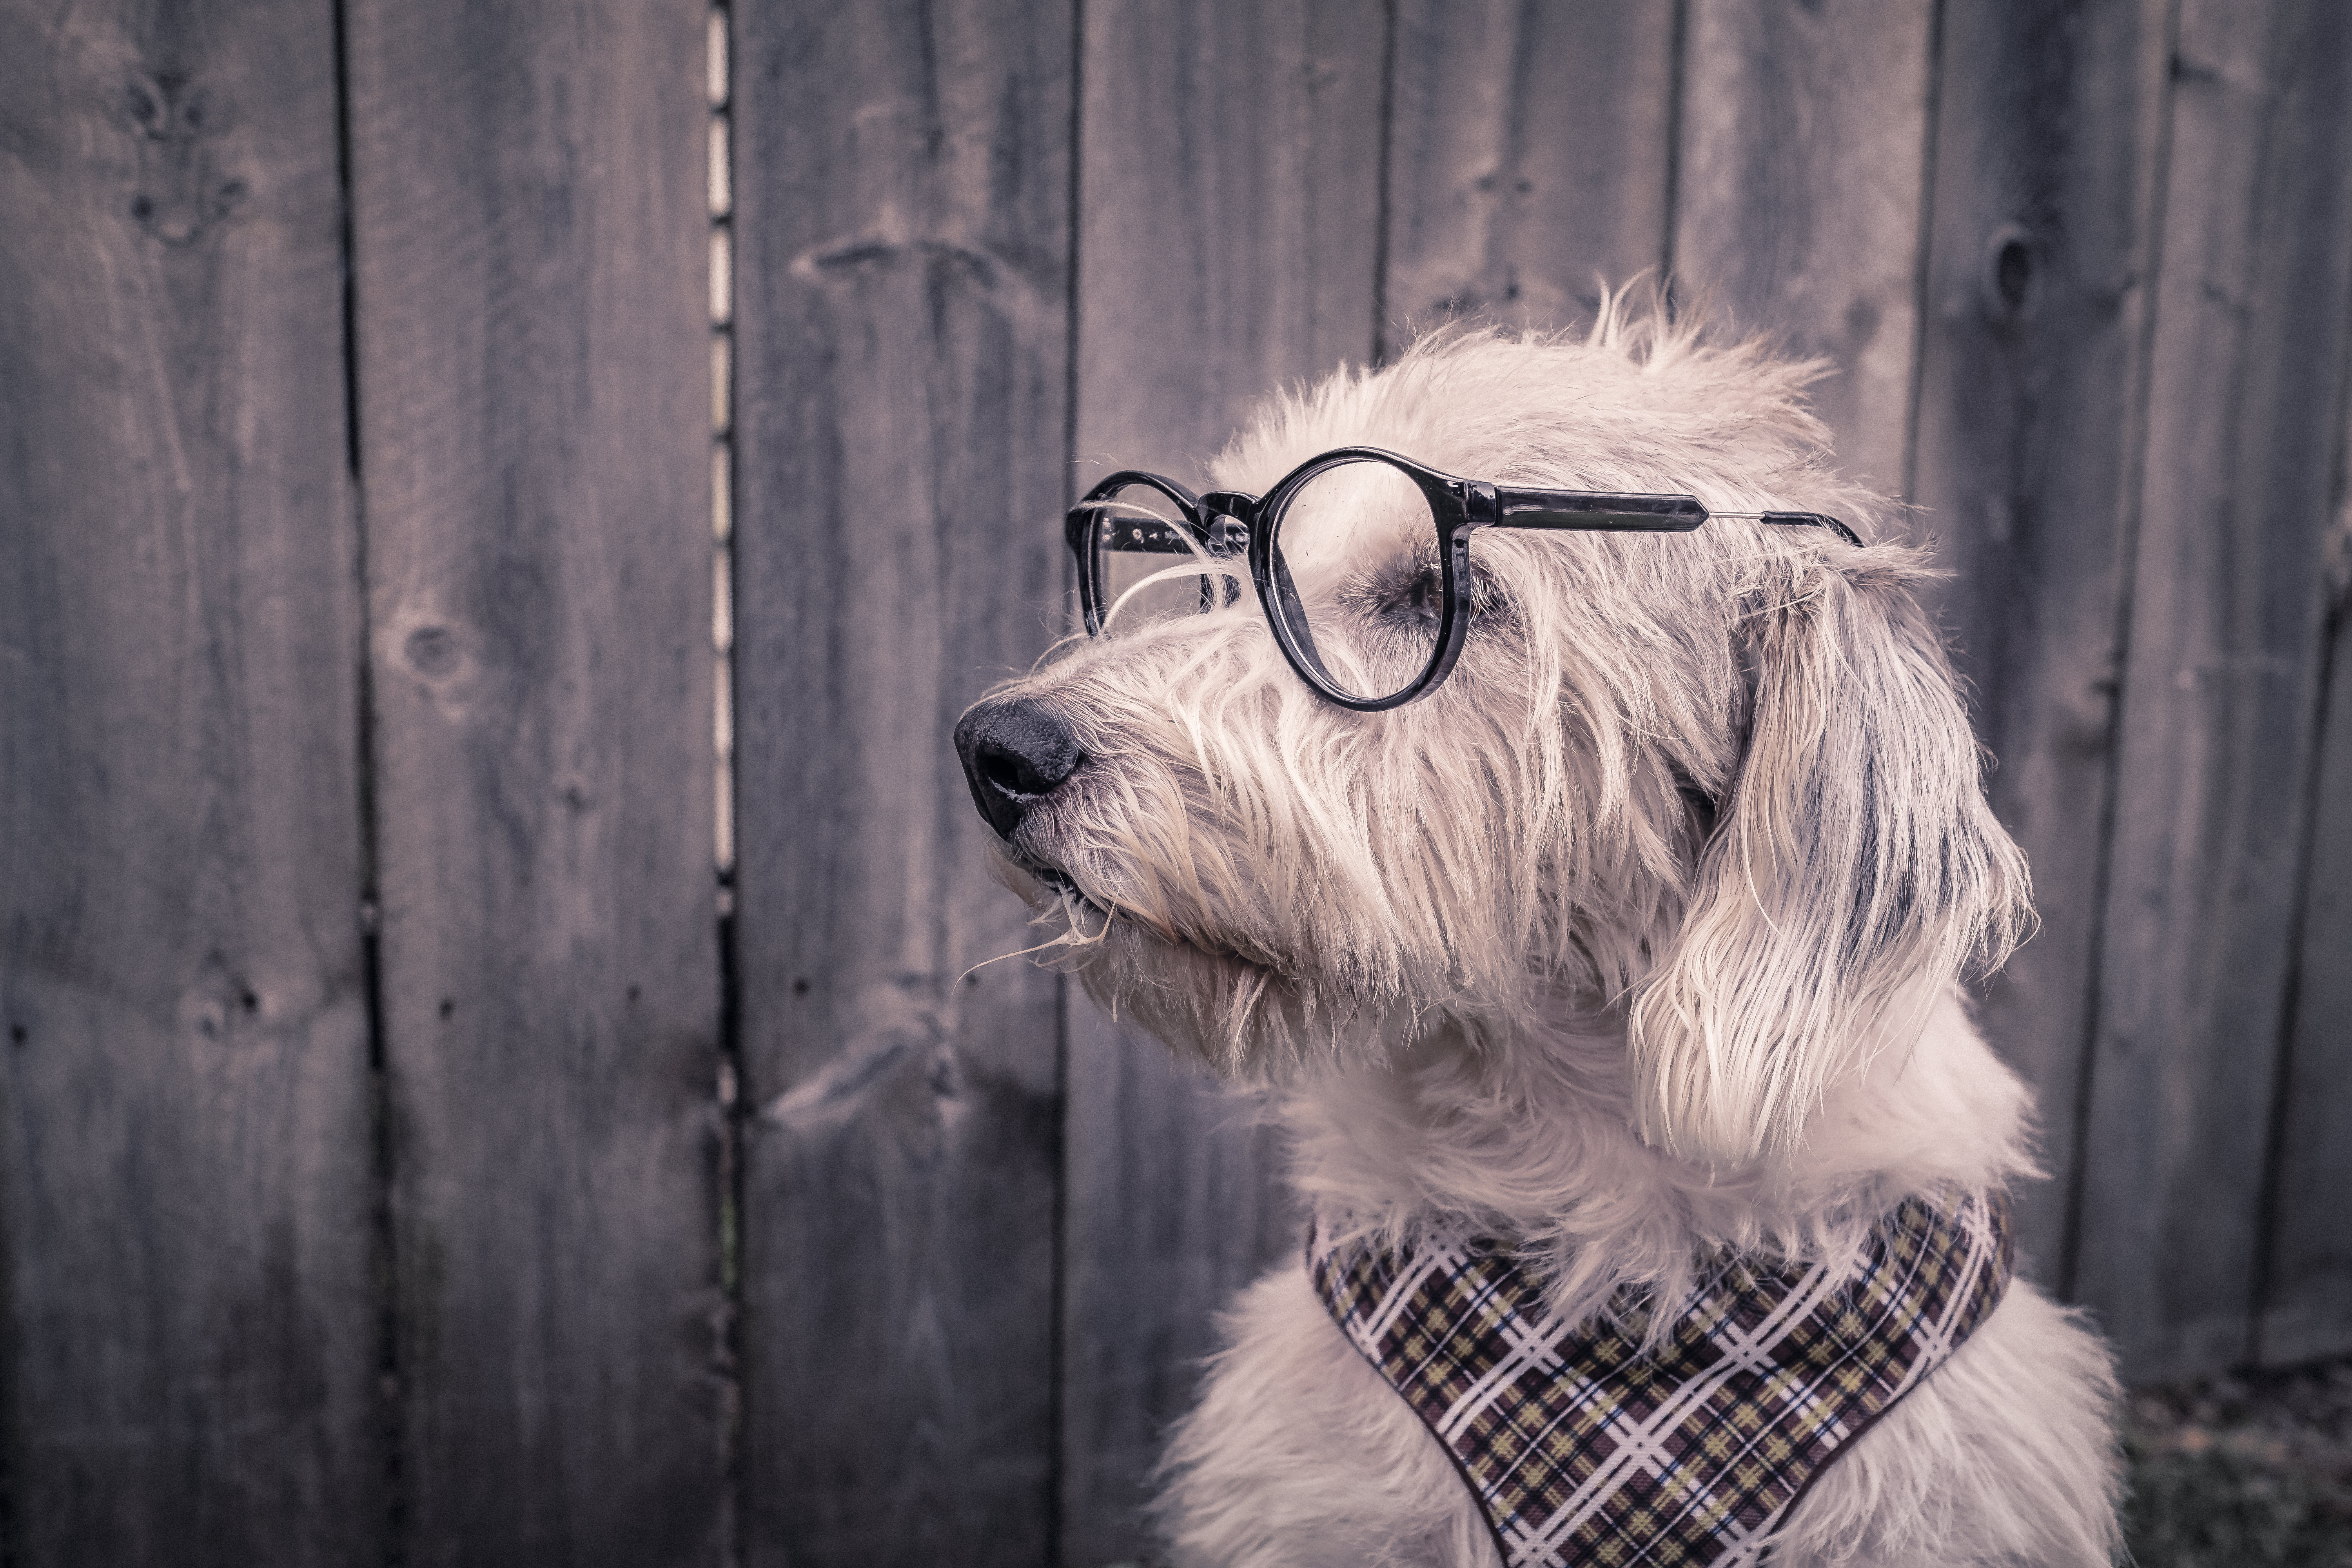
(1015, 755)
(1011, 772)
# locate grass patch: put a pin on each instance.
(2252, 1471)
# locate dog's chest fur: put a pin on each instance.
(1300, 1452)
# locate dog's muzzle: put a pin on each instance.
(1015, 755)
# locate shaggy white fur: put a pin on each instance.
(1638, 938)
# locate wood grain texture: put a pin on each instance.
(1229, 209)
(2033, 368)
(190, 1334)
(1804, 130)
(1176, 1202)
(903, 219)
(1530, 158)
(1229, 206)
(2221, 680)
(2307, 1298)
(528, 189)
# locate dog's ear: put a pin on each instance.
(1854, 871)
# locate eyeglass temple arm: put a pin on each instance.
(1631, 513)
(1155, 536)
(1149, 536)
(1801, 519)
(1081, 519)
(1596, 509)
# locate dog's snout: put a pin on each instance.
(1015, 755)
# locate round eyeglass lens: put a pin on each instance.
(1148, 566)
(1356, 577)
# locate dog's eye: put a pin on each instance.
(1411, 593)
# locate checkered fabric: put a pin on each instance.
(1581, 1449)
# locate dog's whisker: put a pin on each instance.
(1001, 957)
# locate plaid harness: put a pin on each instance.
(1581, 1449)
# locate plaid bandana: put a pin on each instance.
(1580, 1449)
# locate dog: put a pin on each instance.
(1621, 956)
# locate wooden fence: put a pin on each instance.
(491, 1074)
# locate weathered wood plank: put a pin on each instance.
(1804, 133)
(191, 1335)
(2307, 1298)
(1229, 204)
(1175, 1202)
(1530, 158)
(529, 223)
(902, 211)
(2221, 679)
(2050, 128)
(1230, 211)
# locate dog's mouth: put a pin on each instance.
(1102, 913)
(1242, 1009)
(1060, 883)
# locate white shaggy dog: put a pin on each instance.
(1634, 941)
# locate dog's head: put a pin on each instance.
(1715, 789)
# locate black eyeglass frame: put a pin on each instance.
(1224, 523)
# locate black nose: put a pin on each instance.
(1015, 755)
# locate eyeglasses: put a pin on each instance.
(1361, 559)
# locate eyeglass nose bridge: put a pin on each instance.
(1228, 517)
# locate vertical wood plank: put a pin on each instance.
(184, 1161)
(2307, 1298)
(1230, 234)
(1530, 158)
(2030, 391)
(1175, 1202)
(2221, 679)
(530, 233)
(1229, 210)
(903, 222)
(1804, 135)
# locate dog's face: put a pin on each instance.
(1714, 790)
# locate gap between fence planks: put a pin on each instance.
(185, 1157)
